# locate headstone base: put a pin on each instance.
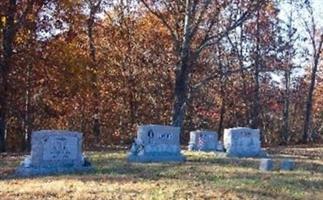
(261, 154)
(26, 170)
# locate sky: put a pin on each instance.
(317, 5)
(299, 17)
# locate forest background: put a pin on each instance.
(104, 67)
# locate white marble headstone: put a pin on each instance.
(242, 142)
(156, 143)
(203, 141)
(54, 151)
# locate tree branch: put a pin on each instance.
(245, 16)
(163, 20)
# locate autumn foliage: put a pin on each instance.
(53, 82)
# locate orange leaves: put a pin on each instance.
(3, 21)
(134, 69)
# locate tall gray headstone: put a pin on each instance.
(203, 141)
(156, 143)
(243, 142)
(54, 151)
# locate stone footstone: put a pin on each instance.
(266, 165)
(54, 152)
(156, 143)
(287, 165)
(203, 141)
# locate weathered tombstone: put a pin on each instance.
(266, 164)
(242, 142)
(52, 152)
(156, 143)
(287, 165)
(203, 141)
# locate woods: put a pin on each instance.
(103, 67)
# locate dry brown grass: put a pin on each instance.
(203, 176)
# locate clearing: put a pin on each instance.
(203, 176)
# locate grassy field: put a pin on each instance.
(203, 176)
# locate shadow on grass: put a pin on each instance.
(255, 194)
(303, 164)
(281, 186)
(114, 166)
(232, 162)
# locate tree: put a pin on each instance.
(94, 7)
(316, 39)
(185, 21)
(12, 21)
(290, 53)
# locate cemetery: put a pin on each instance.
(161, 100)
(54, 152)
(157, 166)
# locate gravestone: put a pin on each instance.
(287, 165)
(266, 164)
(52, 152)
(243, 142)
(156, 143)
(203, 141)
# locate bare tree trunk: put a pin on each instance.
(3, 108)
(285, 132)
(82, 119)
(27, 117)
(309, 101)
(129, 61)
(243, 76)
(222, 110)
(313, 32)
(256, 102)
(309, 105)
(5, 62)
(94, 7)
(181, 94)
(182, 71)
(288, 71)
(27, 121)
